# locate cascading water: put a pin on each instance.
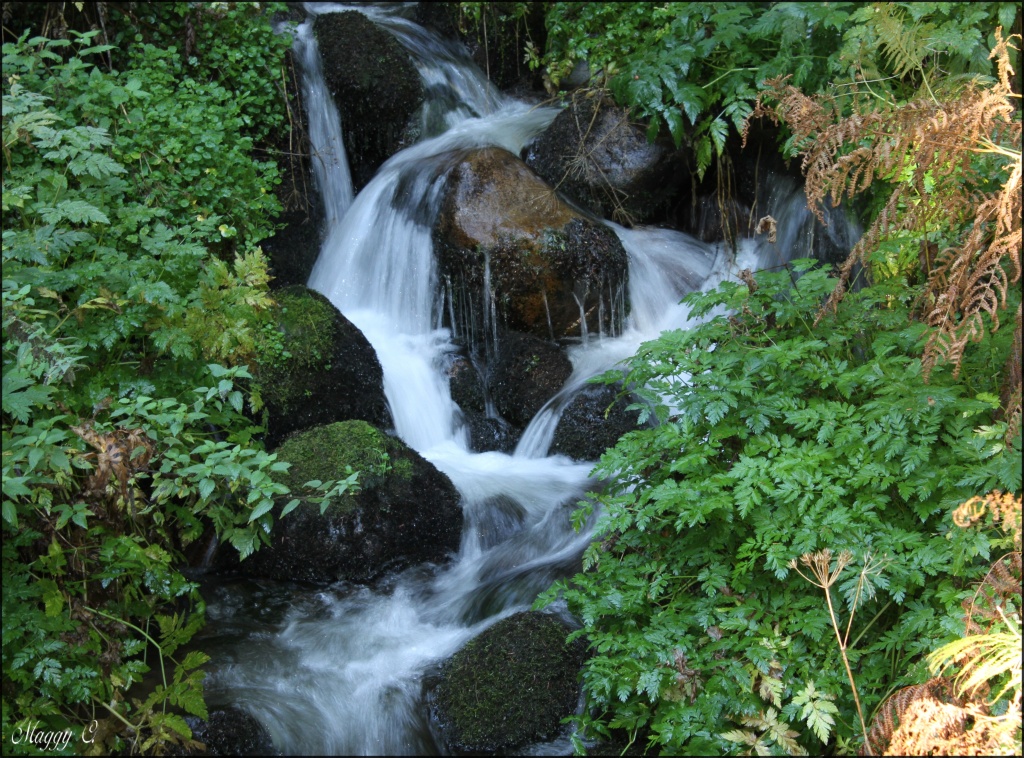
(341, 670)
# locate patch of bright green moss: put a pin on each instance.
(323, 453)
(304, 323)
(510, 685)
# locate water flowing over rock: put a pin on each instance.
(514, 252)
(375, 87)
(404, 512)
(346, 668)
(330, 372)
(510, 685)
(594, 154)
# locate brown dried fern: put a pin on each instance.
(891, 712)
(930, 144)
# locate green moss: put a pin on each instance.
(324, 452)
(510, 685)
(302, 342)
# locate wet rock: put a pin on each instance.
(504, 235)
(527, 373)
(231, 731)
(405, 511)
(292, 250)
(509, 686)
(466, 385)
(490, 434)
(595, 155)
(375, 86)
(592, 422)
(328, 371)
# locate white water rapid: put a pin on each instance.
(342, 670)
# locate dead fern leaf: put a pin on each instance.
(924, 148)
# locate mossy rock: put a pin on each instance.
(553, 272)
(375, 86)
(405, 511)
(330, 371)
(509, 686)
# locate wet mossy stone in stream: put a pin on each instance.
(509, 686)
(404, 512)
(528, 373)
(322, 368)
(375, 86)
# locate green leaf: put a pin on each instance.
(262, 508)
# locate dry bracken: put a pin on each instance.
(924, 149)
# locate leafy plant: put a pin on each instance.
(134, 297)
(929, 152)
(696, 68)
(775, 440)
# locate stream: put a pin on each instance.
(345, 669)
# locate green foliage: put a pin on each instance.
(134, 296)
(775, 440)
(696, 68)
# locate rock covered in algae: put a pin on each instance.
(326, 370)
(375, 87)
(404, 512)
(509, 686)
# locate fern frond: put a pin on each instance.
(984, 657)
(904, 44)
(924, 148)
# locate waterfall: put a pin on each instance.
(341, 670)
(330, 165)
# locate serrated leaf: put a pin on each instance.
(206, 488)
(264, 506)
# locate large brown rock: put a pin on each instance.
(504, 236)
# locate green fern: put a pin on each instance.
(904, 44)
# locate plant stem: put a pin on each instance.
(849, 672)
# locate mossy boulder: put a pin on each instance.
(509, 686)
(375, 86)
(503, 235)
(319, 368)
(404, 512)
(528, 373)
(592, 422)
(600, 159)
